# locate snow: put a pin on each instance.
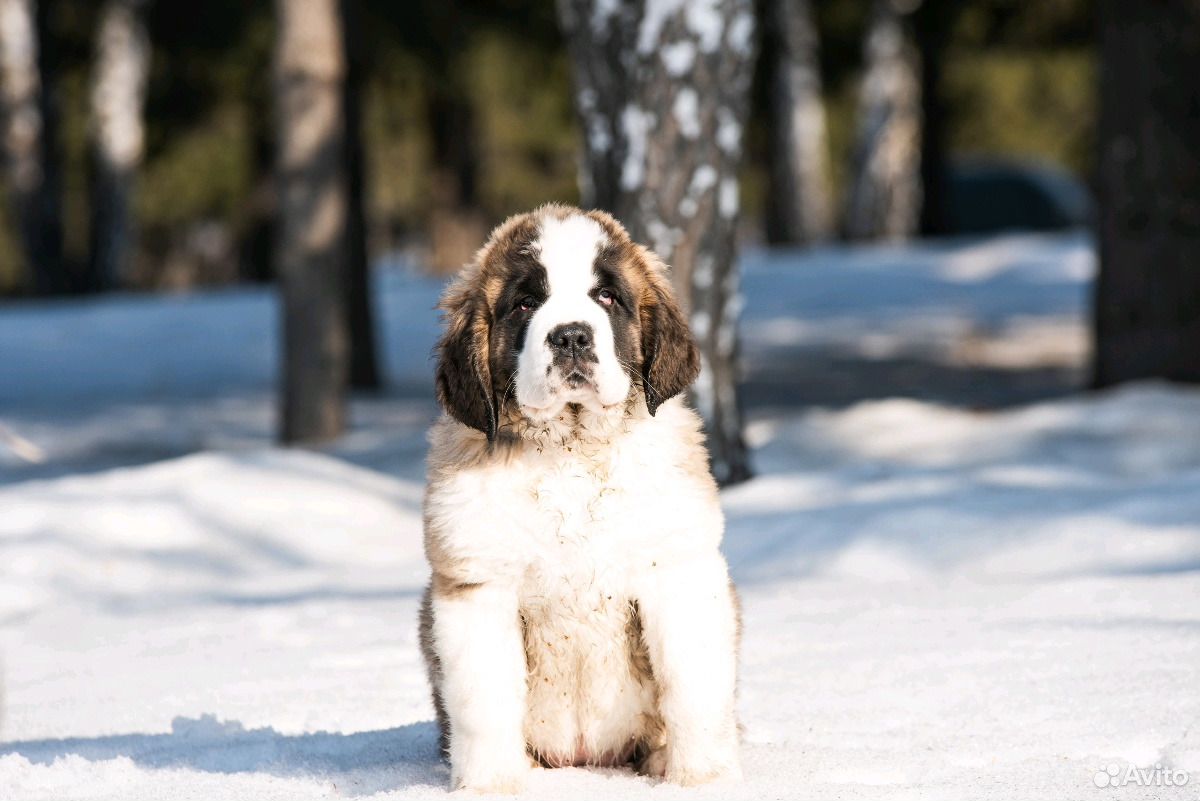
(961, 578)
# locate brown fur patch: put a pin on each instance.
(433, 668)
(441, 586)
(654, 733)
(671, 359)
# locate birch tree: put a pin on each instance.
(1147, 304)
(662, 91)
(884, 198)
(118, 95)
(799, 208)
(30, 158)
(309, 69)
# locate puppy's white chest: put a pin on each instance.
(576, 501)
(578, 560)
(588, 696)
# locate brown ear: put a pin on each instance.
(670, 358)
(464, 379)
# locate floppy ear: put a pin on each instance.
(464, 379)
(670, 358)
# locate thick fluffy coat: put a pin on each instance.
(579, 611)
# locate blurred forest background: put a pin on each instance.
(467, 116)
(161, 146)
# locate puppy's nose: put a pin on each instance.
(570, 339)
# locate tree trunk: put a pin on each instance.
(30, 148)
(1147, 309)
(309, 70)
(118, 135)
(259, 208)
(885, 193)
(663, 95)
(933, 22)
(364, 368)
(799, 206)
(456, 224)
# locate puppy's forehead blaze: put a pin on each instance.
(567, 249)
(563, 254)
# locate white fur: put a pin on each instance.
(690, 629)
(485, 687)
(567, 249)
(567, 534)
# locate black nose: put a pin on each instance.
(572, 339)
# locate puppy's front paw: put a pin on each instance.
(500, 782)
(490, 770)
(692, 775)
(689, 768)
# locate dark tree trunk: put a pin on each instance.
(260, 209)
(663, 100)
(885, 193)
(799, 209)
(118, 95)
(30, 140)
(456, 225)
(309, 71)
(364, 367)
(932, 23)
(1147, 309)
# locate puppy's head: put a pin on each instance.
(560, 307)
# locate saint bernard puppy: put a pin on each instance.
(579, 611)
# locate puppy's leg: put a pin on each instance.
(433, 668)
(477, 637)
(690, 627)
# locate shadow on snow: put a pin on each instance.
(358, 764)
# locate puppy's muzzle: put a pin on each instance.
(573, 346)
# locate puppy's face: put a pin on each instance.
(565, 327)
(560, 308)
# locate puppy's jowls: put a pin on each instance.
(579, 612)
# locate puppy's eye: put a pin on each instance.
(527, 303)
(606, 297)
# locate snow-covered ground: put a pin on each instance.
(971, 584)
